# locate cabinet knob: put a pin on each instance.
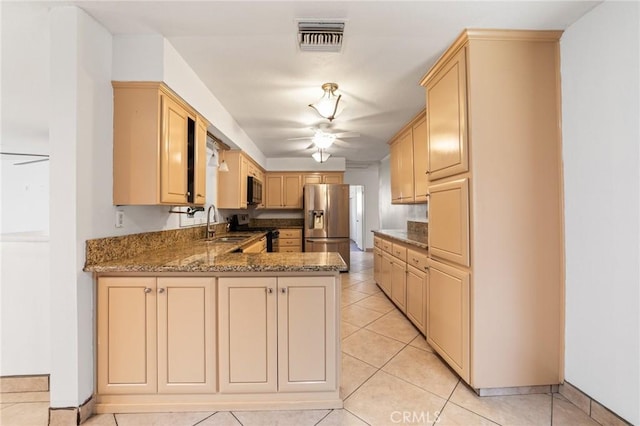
(427, 172)
(188, 193)
(426, 268)
(269, 290)
(199, 195)
(283, 290)
(147, 290)
(161, 290)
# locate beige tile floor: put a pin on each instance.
(390, 377)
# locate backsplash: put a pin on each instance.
(113, 248)
(278, 223)
(420, 230)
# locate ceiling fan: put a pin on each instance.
(321, 139)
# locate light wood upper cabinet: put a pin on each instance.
(420, 160)
(336, 177)
(157, 147)
(284, 190)
(447, 119)
(200, 162)
(408, 163)
(232, 185)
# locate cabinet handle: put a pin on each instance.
(161, 290)
(269, 290)
(199, 195)
(283, 290)
(427, 172)
(188, 193)
(147, 290)
(426, 268)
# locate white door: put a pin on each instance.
(359, 216)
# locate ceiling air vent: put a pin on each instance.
(320, 36)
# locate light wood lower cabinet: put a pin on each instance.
(277, 334)
(402, 273)
(290, 240)
(448, 315)
(140, 350)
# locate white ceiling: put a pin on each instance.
(246, 53)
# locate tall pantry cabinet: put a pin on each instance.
(495, 208)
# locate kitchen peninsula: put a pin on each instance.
(193, 325)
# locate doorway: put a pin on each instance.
(356, 215)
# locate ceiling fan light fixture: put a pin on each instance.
(329, 105)
(320, 156)
(323, 140)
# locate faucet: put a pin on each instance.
(210, 233)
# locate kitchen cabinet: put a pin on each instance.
(259, 246)
(401, 271)
(284, 190)
(495, 208)
(448, 315)
(159, 147)
(232, 185)
(408, 157)
(447, 119)
(156, 335)
(417, 286)
(277, 334)
(399, 276)
(290, 240)
(322, 178)
(420, 160)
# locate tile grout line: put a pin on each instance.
(208, 417)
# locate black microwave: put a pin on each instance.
(254, 191)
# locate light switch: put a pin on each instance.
(119, 219)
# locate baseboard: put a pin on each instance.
(590, 406)
(27, 383)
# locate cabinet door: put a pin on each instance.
(394, 163)
(247, 334)
(417, 282)
(399, 284)
(186, 335)
(377, 264)
(274, 191)
(311, 179)
(307, 334)
(173, 170)
(448, 315)
(200, 178)
(332, 178)
(292, 191)
(406, 167)
(126, 335)
(449, 221)
(447, 119)
(385, 273)
(244, 174)
(420, 180)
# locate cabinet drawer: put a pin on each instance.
(290, 233)
(417, 259)
(399, 251)
(377, 242)
(292, 249)
(287, 242)
(386, 246)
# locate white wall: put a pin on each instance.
(305, 164)
(600, 55)
(395, 216)
(370, 180)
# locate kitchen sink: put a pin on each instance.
(228, 239)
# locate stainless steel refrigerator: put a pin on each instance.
(326, 219)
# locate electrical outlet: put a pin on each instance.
(119, 219)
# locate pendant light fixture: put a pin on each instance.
(329, 105)
(224, 167)
(321, 156)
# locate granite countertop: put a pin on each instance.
(404, 237)
(216, 256)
